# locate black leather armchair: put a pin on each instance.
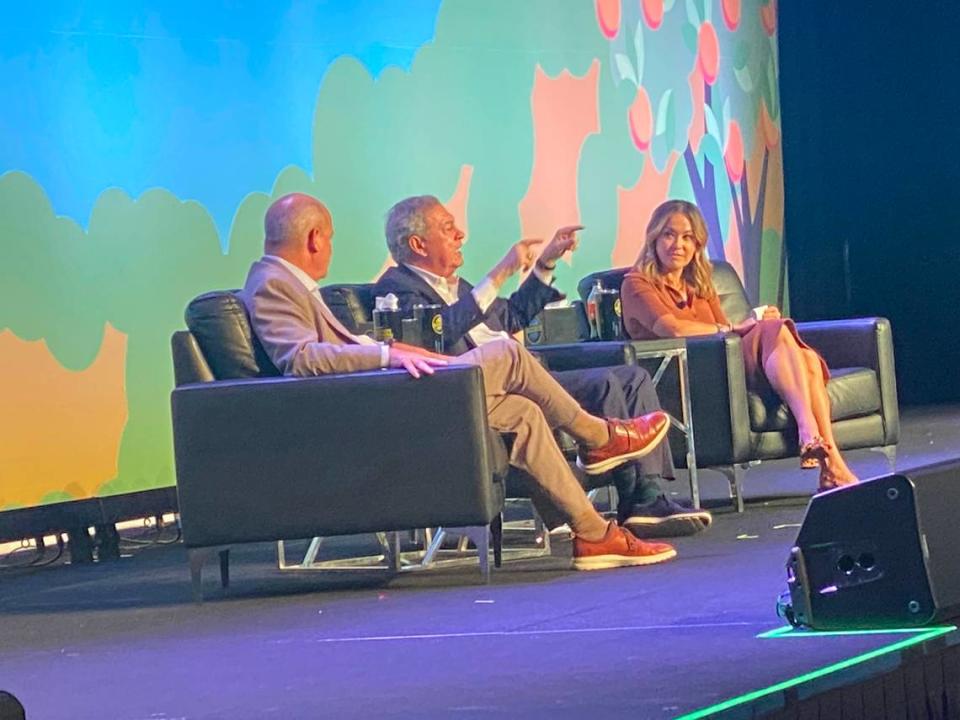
(734, 427)
(261, 457)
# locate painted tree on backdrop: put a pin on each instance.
(702, 117)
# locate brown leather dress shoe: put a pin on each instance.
(618, 548)
(629, 440)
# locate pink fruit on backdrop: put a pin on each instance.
(708, 52)
(731, 13)
(608, 17)
(733, 152)
(768, 17)
(641, 120)
(652, 12)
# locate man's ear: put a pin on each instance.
(313, 241)
(417, 245)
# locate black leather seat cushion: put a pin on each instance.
(219, 322)
(853, 392)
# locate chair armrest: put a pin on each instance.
(578, 356)
(718, 393)
(274, 458)
(858, 342)
(861, 342)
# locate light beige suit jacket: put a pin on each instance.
(296, 330)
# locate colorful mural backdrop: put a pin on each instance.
(146, 140)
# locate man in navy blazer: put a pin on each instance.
(426, 243)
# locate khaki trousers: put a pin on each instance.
(523, 398)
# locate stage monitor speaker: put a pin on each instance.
(884, 553)
(10, 707)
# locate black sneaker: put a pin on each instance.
(666, 518)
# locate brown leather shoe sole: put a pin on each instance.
(606, 562)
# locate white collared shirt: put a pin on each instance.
(484, 293)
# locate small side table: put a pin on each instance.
(666, 351)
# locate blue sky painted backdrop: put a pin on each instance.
(151, 93)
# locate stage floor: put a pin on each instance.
(123, 640)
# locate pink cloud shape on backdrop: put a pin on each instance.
(551, 197)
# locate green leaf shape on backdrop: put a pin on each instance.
(625, 68)
(665, 119)
(690, 38)
(713, 127)
(665, 137)
(744, 79)
(770, 256)
(741, 54)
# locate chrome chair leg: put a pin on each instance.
(890, 453)
(735, 474)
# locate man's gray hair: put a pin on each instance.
(406, 218)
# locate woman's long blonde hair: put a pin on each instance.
(699, 273)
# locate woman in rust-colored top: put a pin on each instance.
(669, 293)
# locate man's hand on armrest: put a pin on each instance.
(415, 360)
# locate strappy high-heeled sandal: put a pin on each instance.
(813, 452)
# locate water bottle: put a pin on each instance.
(387, 320)
(593, 309)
